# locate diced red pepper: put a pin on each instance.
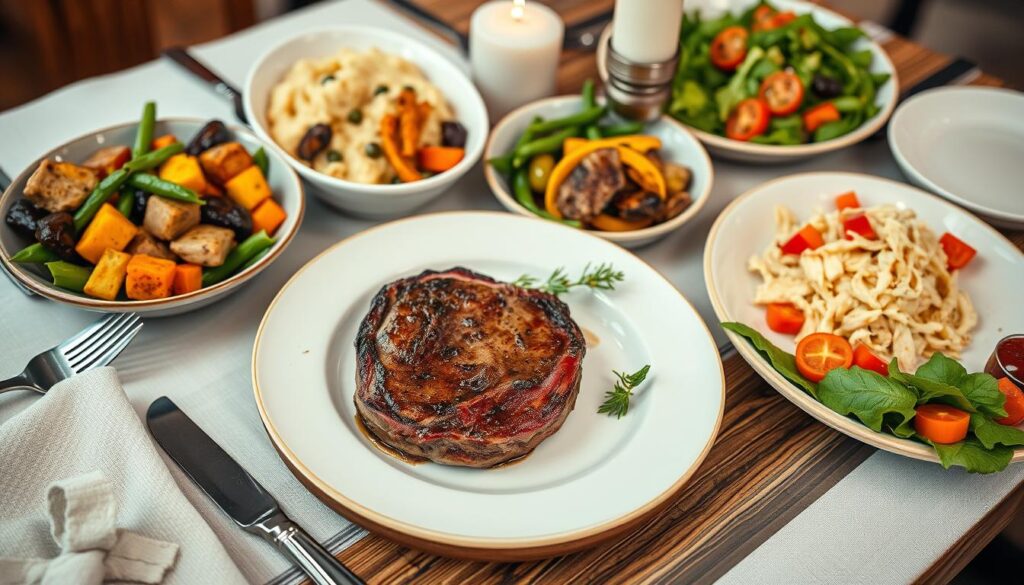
(858, 224)
(864, 358)
(784, 318)
(820, 114)
(807, 238)
(958, 254)
(847, 200)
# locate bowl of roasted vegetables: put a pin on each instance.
(157, 217)
(569, 160)
(377, 123)
(778, 81)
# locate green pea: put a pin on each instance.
(327, 79)
(355, 116)
(334, 156)
(372, 150)
(380, 89)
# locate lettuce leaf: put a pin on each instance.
(981, 389)
(972, 456)
(929, 390)
(872, 398)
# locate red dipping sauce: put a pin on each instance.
(1008, 359)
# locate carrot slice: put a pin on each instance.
(941, 424)
(437, 159)
(403, 167)
(409, 122)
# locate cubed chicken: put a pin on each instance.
(167, 219)
(60, 186)
(205, 245)
(224, 161)
(108, 159)
(145, 243)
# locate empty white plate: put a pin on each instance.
(966, 144)
(594, 478)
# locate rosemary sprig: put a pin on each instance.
(603, 277)
(616, 401)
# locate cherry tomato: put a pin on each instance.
(749, 119)
(863, 358)
(820, 114)
(1014, 404)
(762, 13)
(941, 424)
(807, 238)
(784, 318)
(859, 224)
(819, 353)
(958, 254)
(769, 19)
(783, 93)
(729, 48)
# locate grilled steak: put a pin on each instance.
(464, 370)
(591, 185)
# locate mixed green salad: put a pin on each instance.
(773, 77)
(963, 416)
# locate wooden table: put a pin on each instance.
(770, 461)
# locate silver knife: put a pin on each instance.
(238, 494)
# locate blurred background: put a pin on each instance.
(45, 44)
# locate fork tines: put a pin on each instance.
(98, 344)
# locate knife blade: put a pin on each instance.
(238, 494)
(184, 58)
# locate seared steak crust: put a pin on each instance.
(461, 369)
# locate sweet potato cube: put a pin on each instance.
(108, 276)
(108, 159)
(60, 186)
(267, 216)
(162, 141)
(167, 219)
(248, 188)
(149, 278)
(206, 245)
(109, 229)
(187, 278)
(185, 171)
(225, 161)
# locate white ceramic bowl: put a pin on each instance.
(282, 179)
(746, 227)
(678, 146)
(772, 154)
(374, 201)
(967, 145)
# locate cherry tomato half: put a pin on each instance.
(783, 92)
(1014, 404)
(820, 114)
(819, 353)
(784, 318)
(729, 48)
(749, 119)
(958, 254)
(864, 358)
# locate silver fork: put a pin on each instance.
(93, 347)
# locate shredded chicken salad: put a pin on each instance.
(894, 294)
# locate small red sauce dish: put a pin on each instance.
(1007, 360)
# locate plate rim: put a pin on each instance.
(454, 544)
(916, 174)
(808, 404)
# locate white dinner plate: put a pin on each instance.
(966, 144)
(595, 477)
(993, 279)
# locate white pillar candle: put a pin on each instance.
(647, 31)
(514, 48)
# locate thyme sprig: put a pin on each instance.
(603, 277)
(616, 401)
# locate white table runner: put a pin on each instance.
(202, 360)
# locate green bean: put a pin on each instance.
(592, 132)
(126, 203)
(259, 158)
(153, 159)
(34, 254)
(588, 94)
(544, 145)
(144, 135)
(69, 276)
(252, 261)
(104, 191)
(847, 103)
(502, 164)
(578, 119)
(158, 186)
(242, 253)
(524, 195)
(529, 133)
(622, 129)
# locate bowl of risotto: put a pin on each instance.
(377, 123)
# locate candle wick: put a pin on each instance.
(518, 9)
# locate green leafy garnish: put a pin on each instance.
(784, 363)
(603, 277)
(980, 389)
(972, 456)
(991, 433)
(616, 402)
(871, 397)
(929, 390)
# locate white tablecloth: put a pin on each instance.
(202, 360)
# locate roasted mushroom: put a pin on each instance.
(634, 205)
(139, 204)
(223, 212)
(677, 177)
(56, 232)
(676, 203)
(453, 134)
(314, 142)
(591, 185)
(210, 135)
(23, 216)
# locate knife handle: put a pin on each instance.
(320, 565)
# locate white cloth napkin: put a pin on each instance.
(82, 425)
(83, 523)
